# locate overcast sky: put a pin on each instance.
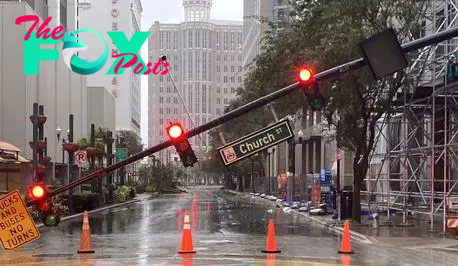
(171, 11)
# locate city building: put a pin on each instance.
(206, 60)
(101, 107)
(56, 87)
(104, 16)
(254, 11)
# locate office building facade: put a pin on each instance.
(206, 61)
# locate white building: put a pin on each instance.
(116, 15)
(57, 88)
(206, 61)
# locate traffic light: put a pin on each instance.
(305, 76)
(177, 136)
(39, 193)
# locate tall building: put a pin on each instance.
(206, 60)
(253, 28)
(123, 16)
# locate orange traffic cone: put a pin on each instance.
(346, 247)
(271, 243)
(186, 241)
(86, 242)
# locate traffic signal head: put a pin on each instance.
(177, 136)
(305, 77)
(44, 205)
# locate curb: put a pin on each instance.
(331, 227)
(99, 210)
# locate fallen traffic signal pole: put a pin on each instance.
(330, 73)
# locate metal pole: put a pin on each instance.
(70, 165)
(40, 133)
(262, 101)
(269, 189)
(338, 190)
(35, 139)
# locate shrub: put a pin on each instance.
(151, 189)
(121, 194)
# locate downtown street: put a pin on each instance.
(227, 228)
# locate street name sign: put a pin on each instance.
(17, 227)
(255, 142)
(121, 154)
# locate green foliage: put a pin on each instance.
(158, 176)
(83, 143)
(132, 141)
(123, 193)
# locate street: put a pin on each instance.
(227, 230)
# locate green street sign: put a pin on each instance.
(255, 142)
(121, 154)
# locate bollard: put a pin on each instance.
(375, 220)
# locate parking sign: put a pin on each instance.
(81, 158)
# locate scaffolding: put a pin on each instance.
(414, 167)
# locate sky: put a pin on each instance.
(171, 11)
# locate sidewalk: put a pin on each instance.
(138, 197)
(415, 234)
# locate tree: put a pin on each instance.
(132, 141)
(325, 34)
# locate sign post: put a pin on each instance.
(255, 142)
(17, 227)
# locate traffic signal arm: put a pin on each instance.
(333, 72)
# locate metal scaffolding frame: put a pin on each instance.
(414, 167)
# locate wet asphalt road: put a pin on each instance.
(227, 230)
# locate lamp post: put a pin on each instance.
(62, 140)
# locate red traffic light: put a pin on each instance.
(305, 74)
(37, 191)
(175, 131)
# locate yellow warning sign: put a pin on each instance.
(17, 227)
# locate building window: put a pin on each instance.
(218, 69)
(218, 111)
(225, 101)
(240, 68)
(162, 37)
(198, 38)
(225, 68)
(204, 66)
(232, 68)
(225, 90)
(168, 39)
(168, 89)
(204, 99)
(168, 110)
(218, 101)
(197, 99)
(175, 100)
(175, 110)
(161, 78)
(161, 110)
(218, 58)
(240, 79)
(226, 41)
(218, 90)
(232, 79)
(197, 71)
(218, 41)
(190, 98)
(232, 90)
(161, 121)
(225, 79)
(161, 89)
(161, 99)
(189, 65)
(204, 41)
(175, 41)
(168, 99)
(232, 41)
